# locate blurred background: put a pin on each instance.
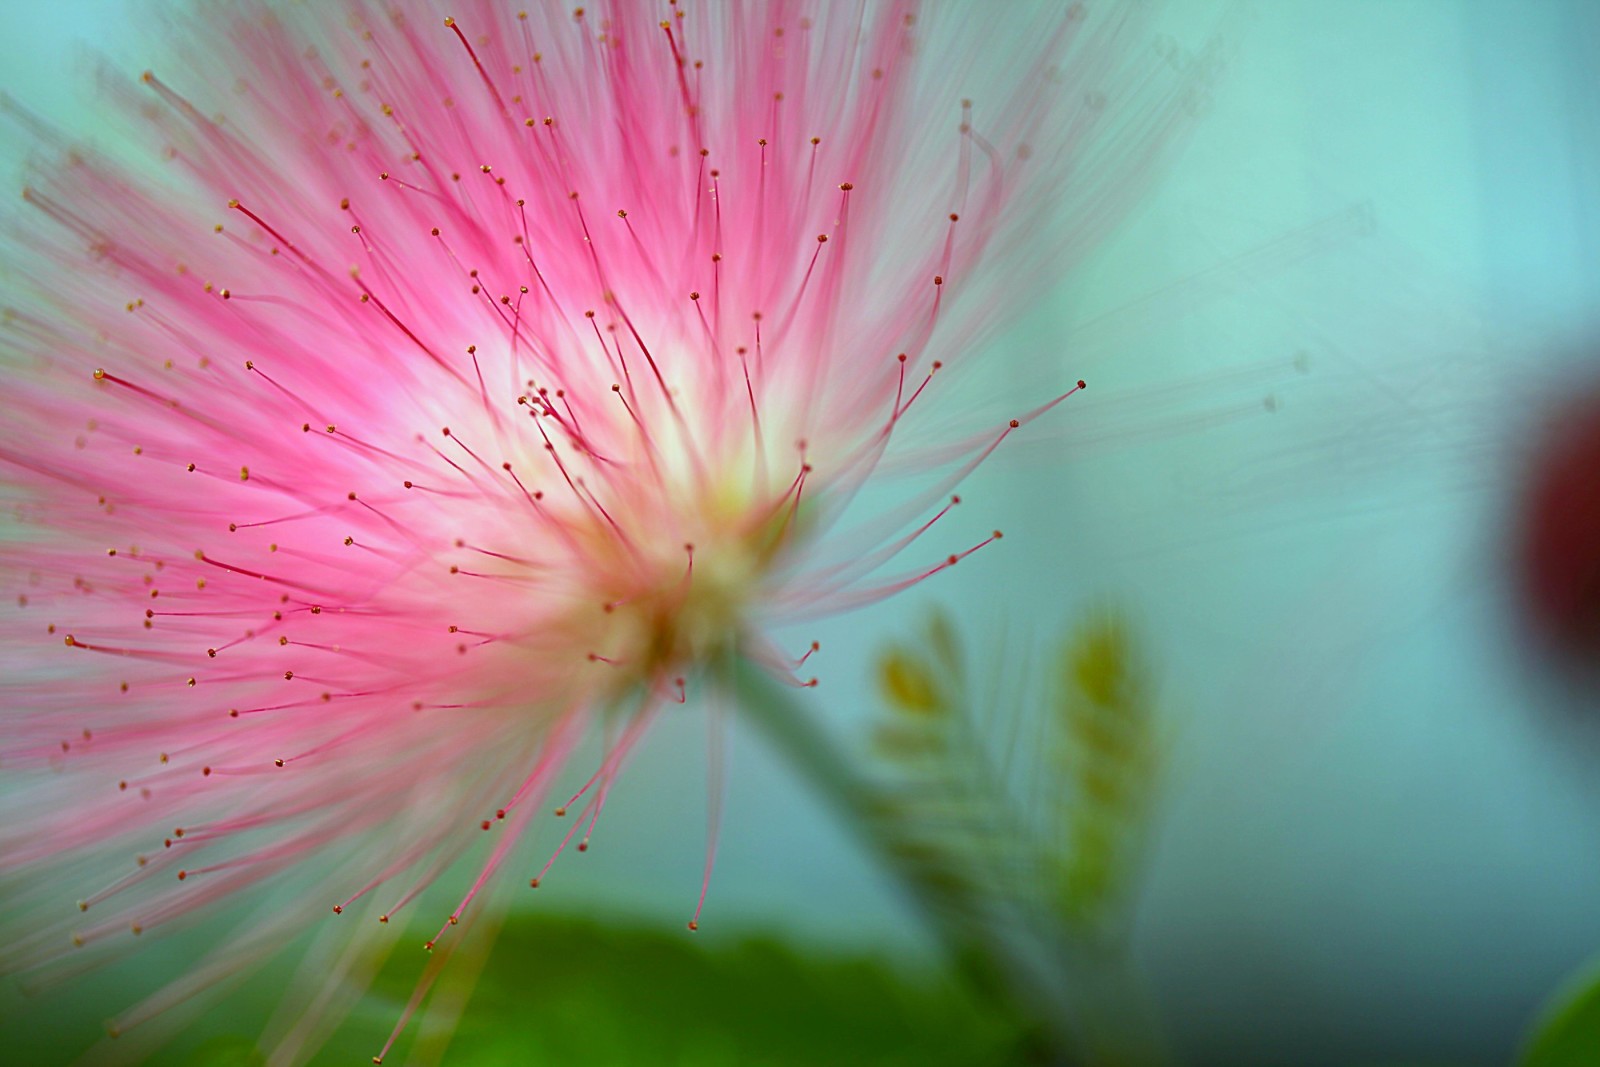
(1324, 357)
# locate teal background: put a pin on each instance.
(1380, 840)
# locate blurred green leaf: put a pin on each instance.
(579, 993)
(1568, 1031)
(906, 685)
(569, 992)
(227, 1052)
(946, 646)
(922, 678)
(992, 845)
(1106, 753)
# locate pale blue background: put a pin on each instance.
(1381, 836)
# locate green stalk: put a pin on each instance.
(1018, 971)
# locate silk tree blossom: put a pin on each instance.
(418, 393)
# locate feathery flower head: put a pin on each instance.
(419, 390)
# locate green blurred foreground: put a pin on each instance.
(577, 993)
(566, 992)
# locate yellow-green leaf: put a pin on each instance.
(907, 683)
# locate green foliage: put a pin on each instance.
(1568, 1032)
(1073, 833)
(568, 992)
(1018, 818)
(924, 681)
(586, 994)
(941, 816)
(226, 1052)
(1106, 755)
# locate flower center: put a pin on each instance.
(670, 583)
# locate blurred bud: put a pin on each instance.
(1557, 551)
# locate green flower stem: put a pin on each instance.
(1021, 971)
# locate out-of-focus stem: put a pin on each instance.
(1019, 970)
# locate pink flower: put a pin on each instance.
(449, 386)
